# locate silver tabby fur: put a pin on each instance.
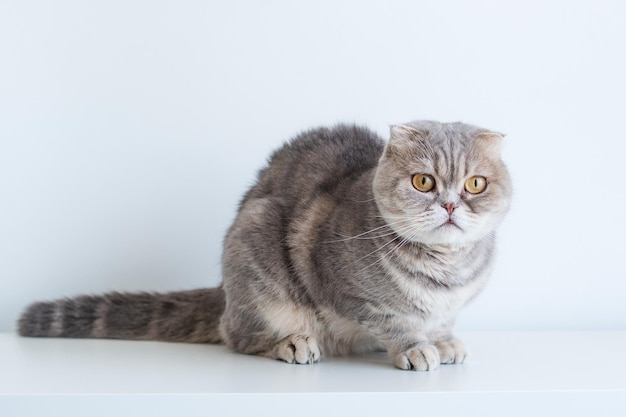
(333, 252)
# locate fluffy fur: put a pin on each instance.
(333, 252)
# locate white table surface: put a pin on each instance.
(577, 372)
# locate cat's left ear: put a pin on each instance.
(491, 141)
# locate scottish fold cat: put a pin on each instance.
(346, 244)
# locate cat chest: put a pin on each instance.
(435, 290)
(433, 305)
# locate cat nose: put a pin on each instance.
(449, 207)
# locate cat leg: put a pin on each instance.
(426, 355)
(275, 330)
(268, 312)
(408, 347)
(420, 357)
(299, 349)
(296, 322)
(451, 350)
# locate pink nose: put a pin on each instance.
(449, 207)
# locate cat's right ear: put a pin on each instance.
(405, 132)
(407, 141)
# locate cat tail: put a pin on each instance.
(185, 316)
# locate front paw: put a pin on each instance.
(423, 357)
(451, 351)
(297, 349)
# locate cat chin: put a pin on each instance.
(444, 239)
(450, 235)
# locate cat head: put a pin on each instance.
(442, 183)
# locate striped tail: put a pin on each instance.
(185, 316)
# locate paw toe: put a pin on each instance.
(420, 358)
(451, 351)
(298, 349)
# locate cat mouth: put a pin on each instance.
(450, 223)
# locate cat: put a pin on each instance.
(345, 244)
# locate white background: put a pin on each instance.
(130, 129)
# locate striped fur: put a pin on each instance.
(186, 316)
(333, 252)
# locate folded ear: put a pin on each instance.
(408, 141)
(406, 132)
(491, 135)
(491, 141)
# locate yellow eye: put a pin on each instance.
(423, 182)
(476, 185)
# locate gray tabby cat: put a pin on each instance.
(344, 245)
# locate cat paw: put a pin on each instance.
(298, 349)
(423, 357)
(451, 351)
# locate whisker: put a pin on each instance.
(364, 201)
(404, 241)
(407, 228)
(377, 249)
(346, 238)
(392, 232)
(411, 217)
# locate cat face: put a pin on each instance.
(442, 183)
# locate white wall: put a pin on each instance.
(130, 129)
